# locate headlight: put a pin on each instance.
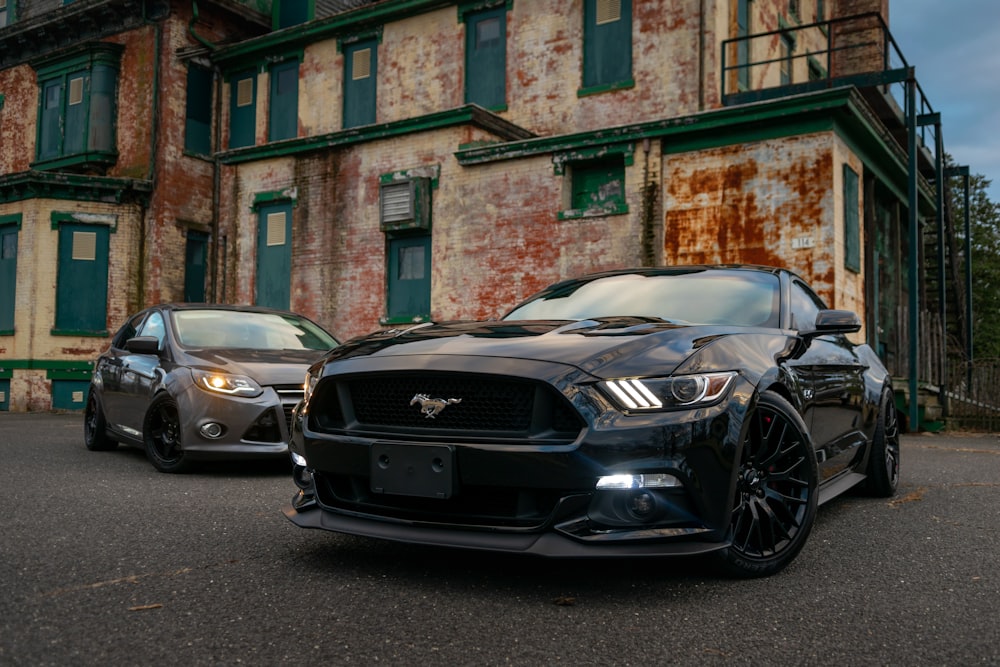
(309, 385)
(224, 383)
(681, 391)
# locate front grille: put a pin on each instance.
(468, 404)
(510, 507)
(290, 395)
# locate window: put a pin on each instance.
(787, 49)
(9, 226)
(360, 67)
(154, 327)
(852, 227)
(195, 266)
(198, 119)
(81, 277)
(607, 45)
(743, 46)
(794, 11)
(820, 10)
(6, 12)
(805, 307)
(283, 114)
(596, 188)
(408, 288)
(291, 12)
(77, 107)
(243, 110)
(486, 58)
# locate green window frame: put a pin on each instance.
(7, 16)
(360, 79)
(81, 277)
(195, 266)
(243, 109)
(10, 226)
(787, 55)
(283, 110)
(486, 58)
(852, 221)
(607, 46)
(597, 188)
(77, 107)
(198, 110)
(285, 13)
(743, 27)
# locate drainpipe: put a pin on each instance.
(701, 57)
(914, 257)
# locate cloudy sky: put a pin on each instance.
(955, 47)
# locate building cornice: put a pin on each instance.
(72, 187)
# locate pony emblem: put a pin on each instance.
(432, 407)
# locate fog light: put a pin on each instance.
(212, 430)
(642, 504)
(657, 480)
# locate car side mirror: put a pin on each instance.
(835, 322)
(143, 345)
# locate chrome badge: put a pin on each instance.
(432, 407)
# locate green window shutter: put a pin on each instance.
(607, 43)
(195, 266)
(82, 278)
(50, 127)
(69, 394)
(408, 284)
(292, 12)
(486, 58)
(198, 116)
(103, 85)
(283, 121)
(852, 227)
(243, 110)
(8, 276)
(598, 186)
(76, 98)
(274, 255)
(360, 74)
(743, 46)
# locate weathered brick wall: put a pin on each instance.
(37, 274)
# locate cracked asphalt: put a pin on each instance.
(104, 561)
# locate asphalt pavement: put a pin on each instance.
(104, 561)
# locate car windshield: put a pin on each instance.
(248, 330)
(742, 298)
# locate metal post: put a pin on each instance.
(914, 256)
(968, 281)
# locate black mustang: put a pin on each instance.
(664, 411)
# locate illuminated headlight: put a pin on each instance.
(659, 480)
(224, 383)
(681, 391)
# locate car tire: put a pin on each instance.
(883, 460)
(95, 426)
(161, 433)
(775, 501)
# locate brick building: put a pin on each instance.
(381, 163)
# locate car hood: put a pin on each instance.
(267, 367)
(602, 347)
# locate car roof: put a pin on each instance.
(242, 308)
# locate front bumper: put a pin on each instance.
(540, 498)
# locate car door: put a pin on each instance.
(109, 368)
(140, 375)
(833, 377)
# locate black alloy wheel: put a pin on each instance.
(775, 503)
(95, 433)
(883, 460)
(162, 435)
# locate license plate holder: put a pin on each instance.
(425, 471)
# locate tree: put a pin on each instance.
(984, 219)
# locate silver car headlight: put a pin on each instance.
(679, 391)
(225, 383)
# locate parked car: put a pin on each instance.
(198, 381)
(668, 411)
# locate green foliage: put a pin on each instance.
(984, 218)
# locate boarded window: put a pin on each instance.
(609, 11)
(244, 92)
(361, 64)
(76, 91)
(84, 246)
(276, 229)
